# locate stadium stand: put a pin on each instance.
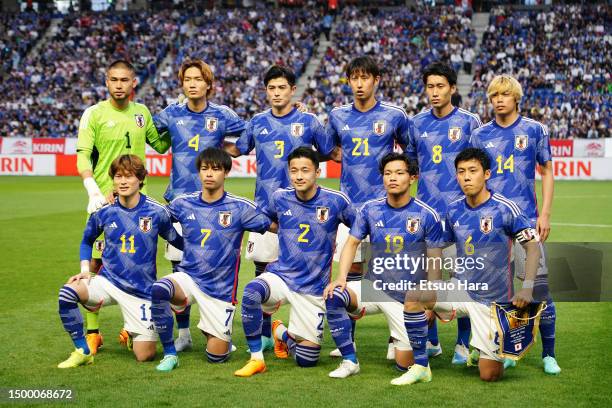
(561, 56)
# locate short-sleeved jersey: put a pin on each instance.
(435, 146)
(514, 151)
(485, 233)
(365, 138)
(190, 133)
(106, 132)
(410, 230)
(212, 235)
(307, 236)
(273, 138)
(130, 243)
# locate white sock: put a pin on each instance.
(280, 330)
(184, 332)
(257, 355)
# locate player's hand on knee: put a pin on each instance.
(329, 290)
(79, 277)
(523, 298)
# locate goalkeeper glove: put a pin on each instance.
(96, 198)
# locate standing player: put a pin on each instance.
(396, 224)
(308, 217)
(192, 126)
(483, 224)
(213, 222)
(443, 131)
(516, 145)
(366, 130)
(108, 129)
(273, 134)
(131, 225)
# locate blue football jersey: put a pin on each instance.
(273, 138)
(130, 243)
(212, 235)
(409, 230)
(514, 152)
(435, 146)
(190, 133)
(485, 234)
(365, 138)
(307, 236)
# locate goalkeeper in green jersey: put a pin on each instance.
(107, 130)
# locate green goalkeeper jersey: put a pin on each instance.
(106, 132)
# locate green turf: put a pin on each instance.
(41, 221)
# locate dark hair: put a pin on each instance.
(279, 71)
(411, 165)
(129, 164)
(472, 153)
(304, 151)
(214, 157)
(120, 63)
(441, 69)
(365, 64)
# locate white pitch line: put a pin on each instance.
(566, 224)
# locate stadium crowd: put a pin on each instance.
(562, 57)
(239, 45)
(46, 95)
(405, 40)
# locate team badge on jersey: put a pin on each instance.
(144, 223)
(486, 224)
(140, 122)
(250, 247)
(379, 127)
(520, 142)
(297, 129)
(99, 245)
(212, 124)
(413, 224)
(322, 214)
(225, 218)
(454, 134)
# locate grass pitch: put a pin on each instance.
(41, 222)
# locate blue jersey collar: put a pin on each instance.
(513, 125)
(143, 198)
(478, 207)
(443, 117)
(368, 111)
(291, 112)
(314, 197)
(399, 208)
(206, 203)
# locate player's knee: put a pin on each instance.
(307, 356)
(340, 299)
(145, 355)
(68, 296)
(217, 358)
(162, 290)
(490, 376)
(255, 292)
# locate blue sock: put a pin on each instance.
(547, 329)
(182, 319)
(432, 334)
(266, 328)
(340, 323)
(401, 368)
(217, 358)
(291, 343)
(266, 325)
(307, 356)
(161, 294)
(353, 327)
(464, 330)
(416, 328)
(255, 293)
(71, 317)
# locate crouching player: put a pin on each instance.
(131, 226)
(483, 225)
(396, 224)
(213, 222)
(308, 217)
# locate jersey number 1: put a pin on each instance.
(124, 241)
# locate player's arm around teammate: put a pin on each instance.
(131, 225)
